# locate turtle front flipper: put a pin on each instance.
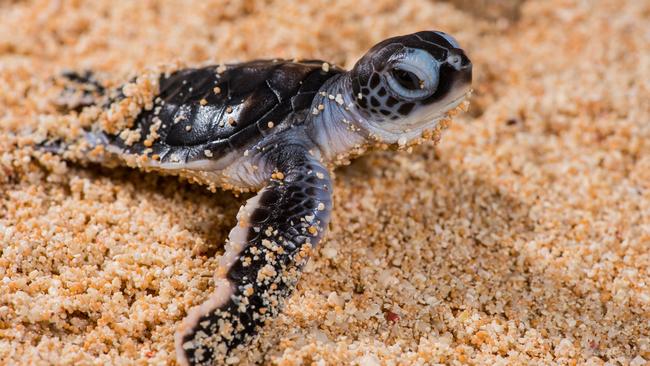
(275, 233)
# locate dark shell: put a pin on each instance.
(196, 117)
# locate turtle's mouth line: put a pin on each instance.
(465, 95)
(453, 106)
(449, 110)
(428, 122)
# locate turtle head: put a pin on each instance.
(405, 85)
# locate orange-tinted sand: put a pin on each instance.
(522, 238)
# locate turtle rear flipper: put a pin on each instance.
(81, 150)
(80, 89)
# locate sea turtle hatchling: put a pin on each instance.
(276, 126)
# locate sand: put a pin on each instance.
(522, 238)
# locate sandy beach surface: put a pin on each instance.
(523, 237)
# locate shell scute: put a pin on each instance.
(253, 98)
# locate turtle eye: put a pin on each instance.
(413, 75)
(407, 79)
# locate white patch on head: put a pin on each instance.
(455, 61)
(224, 289)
